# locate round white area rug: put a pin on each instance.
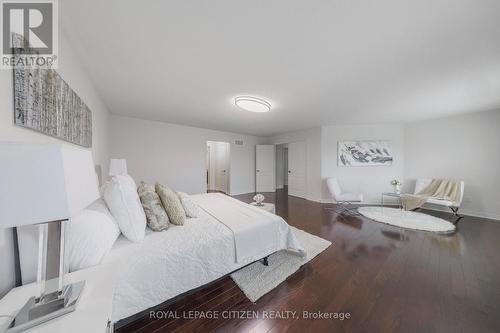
(407, 219)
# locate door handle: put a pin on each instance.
(289, 171)
(258, 170)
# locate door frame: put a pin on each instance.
(210, 164)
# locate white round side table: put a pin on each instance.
(269, 207)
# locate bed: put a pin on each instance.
(227, 235)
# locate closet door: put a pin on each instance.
(265, 168)
(222, 166)
(297, 182)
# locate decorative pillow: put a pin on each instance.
(89, 236)
(189, 206)
(120, 194)
(172, 204)
(156, 216)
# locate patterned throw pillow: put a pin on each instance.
(189, 206)
(172, 204)
(156, 216)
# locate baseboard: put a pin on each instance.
(313, 199)
(240, 193)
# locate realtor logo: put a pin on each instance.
(29, 34)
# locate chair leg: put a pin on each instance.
(343, 208)
(455, 212)
(334, 209)
(349, 209)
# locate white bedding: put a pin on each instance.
(254, 231)
(166, 264)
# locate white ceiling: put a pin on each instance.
(317, 62)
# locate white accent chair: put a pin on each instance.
(424, 182)
(343, 199)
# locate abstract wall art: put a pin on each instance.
(364, 153)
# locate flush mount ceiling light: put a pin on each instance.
(252, 104)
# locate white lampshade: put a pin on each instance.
(44, 182)
(117, 166)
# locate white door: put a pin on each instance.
(225, 168)
(280, 167)
(222, 166)
(285, 167)
(218, 166)
(297, 169)
(265, 168)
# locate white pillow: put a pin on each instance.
(100, 206)
(120, 194)
(89, 236)
(189, 206)
(28, 242)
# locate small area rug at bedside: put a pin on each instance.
(256, 280)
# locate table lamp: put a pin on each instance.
(117, 166)
(45, 184)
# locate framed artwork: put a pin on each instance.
(44, 102)
(364, 153)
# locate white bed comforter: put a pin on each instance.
(254, 230)
(166, 264)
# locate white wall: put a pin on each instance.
(312, 137)
(75, 76)
(371, 181)
(175, 154)
(463, 147)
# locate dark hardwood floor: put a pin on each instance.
(388, 279)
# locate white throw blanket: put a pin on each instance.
(255, 230)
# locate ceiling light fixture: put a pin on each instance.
(252, 104)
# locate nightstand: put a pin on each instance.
(93, 311)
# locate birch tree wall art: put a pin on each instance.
(44, 102)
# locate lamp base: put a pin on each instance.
(38, 311)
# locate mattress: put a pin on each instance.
(169, 263)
